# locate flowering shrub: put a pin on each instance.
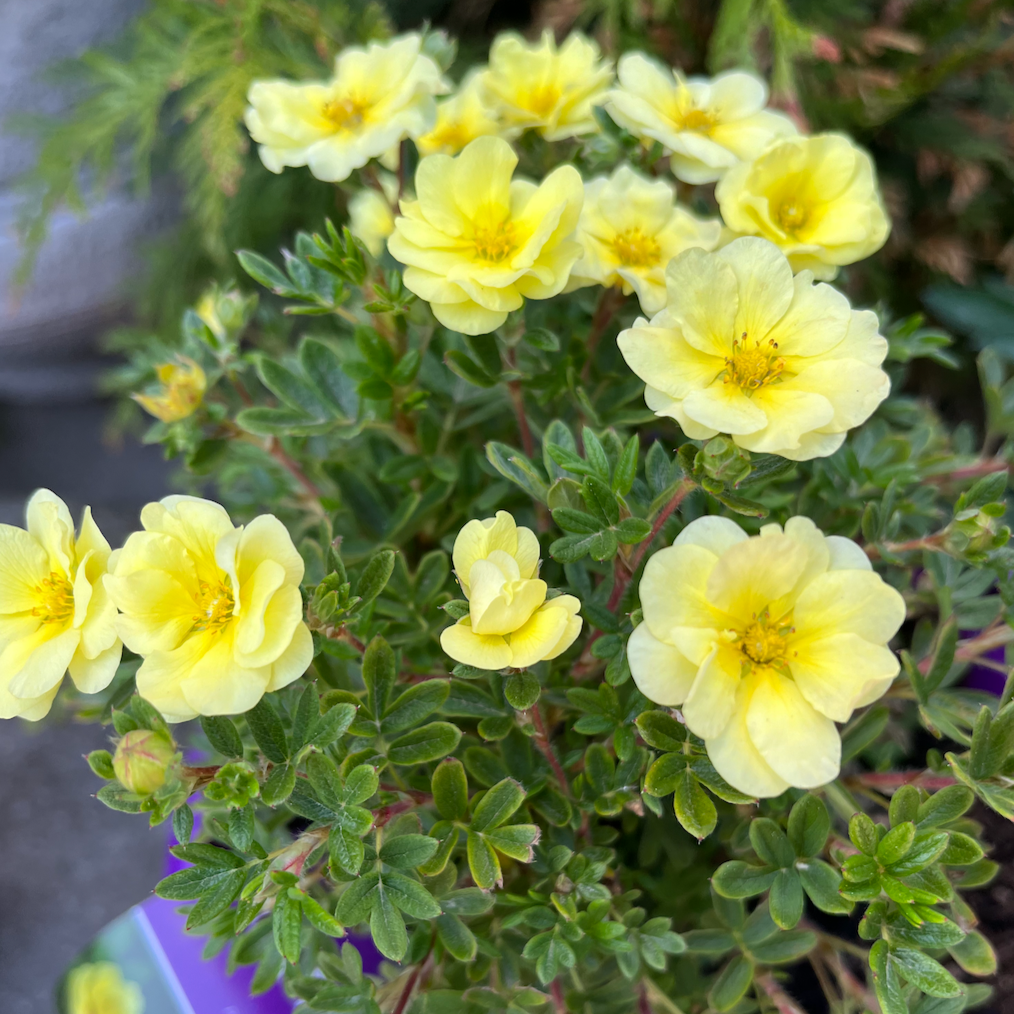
(579, 659)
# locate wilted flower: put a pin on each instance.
(707, 124)
(55, 613)
(765, 642)
(142, 759)
(510, 621)
(815, 197)
(183, 384)
(214, 610)
(371, 213)
(544, 87)
(630, 228)
(100, 988)
(477, 244)
(780, 364)
(461, 118)
(378, 95)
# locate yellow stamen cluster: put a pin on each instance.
(215, 605)
(764, 643)
(56, 597)
(635, 249)
(753, 367)
(698, 120)
(792, 216)
(344, 113)
(495, 243)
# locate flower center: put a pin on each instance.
(792, 216)
(542, 100)
(495, 243)
(344, 113)
(697, 120)
(56, 599)
(764, 643)
(751, 367)
(634, 249)
(453, 136)
(214, 606)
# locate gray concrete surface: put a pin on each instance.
(68, 865)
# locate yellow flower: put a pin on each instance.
(182, 391)
(477, 244)
(371, 213)
(214, 610)
(461, 118)
(766, 642)
(780, 364)
(100, 988)
(378, 95)
(510, 621)
(816, 197)
(707, 125)
(630, 228)
(55, 613)
(553, 90)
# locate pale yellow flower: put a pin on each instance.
(100, 988)
(183, 384)
(510, 620)
(630, 228)
(743, 347)
(765, 642)
(55, 613)
(477, 243)
(550, 89)
(461, 118)
(816, 197)
(708, 125)
(214, 610)
(379, 94)
(371, 213)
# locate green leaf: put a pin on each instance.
(579, 522)
(785, 901)
(632, 530)
(821, 884)
(379, 674)
(428, 743)
(346, 850)
(116, 797)
(320, 919)
(410, 896)
(279, 785)
(595, 454)
(886, 981)
(600, 500)
(809, 825)
(626, 468)
(922, 971)
(863, 833)
(304, 719)
(447, 836)
(450, 789)
(357, 900)
(332, 724)
(293, 390)
(387, 927)
(961, 850)
(324, 370)
(183, 824)
(974, 954)
(375, 575)
(286, 922)
(660, 730)
(497, 805)
(466, 368)
(896, 843)
(456, 937)
(408, 850)
(770, 843)
(784, 947)
(514, 840)
(270, 422)
(241, 828)
(944, 806)
(904, 805)
(415, 704)
(268, 731)
(693, 806)
(522, 690)
(101, 762)
(361, 783)
(732, 983)
(544, 340)
(513, 465)
(482, 861)
(261, 270)
(736, 879)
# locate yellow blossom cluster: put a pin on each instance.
(214, 610)
(100, 988)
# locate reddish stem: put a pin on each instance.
(280, 455)
(542, 740)
(609, 302)
(518, 401)
(980, 468)
(896, 779)
(778, 996)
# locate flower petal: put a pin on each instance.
(531, 642)
(712, 697)
(849, 602)
(660, 671)
(489, 651)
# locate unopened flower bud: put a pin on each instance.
(235, 785)
(182, 391)
(725, 461)
(142, 759)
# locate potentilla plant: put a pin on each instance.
(586, 611)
